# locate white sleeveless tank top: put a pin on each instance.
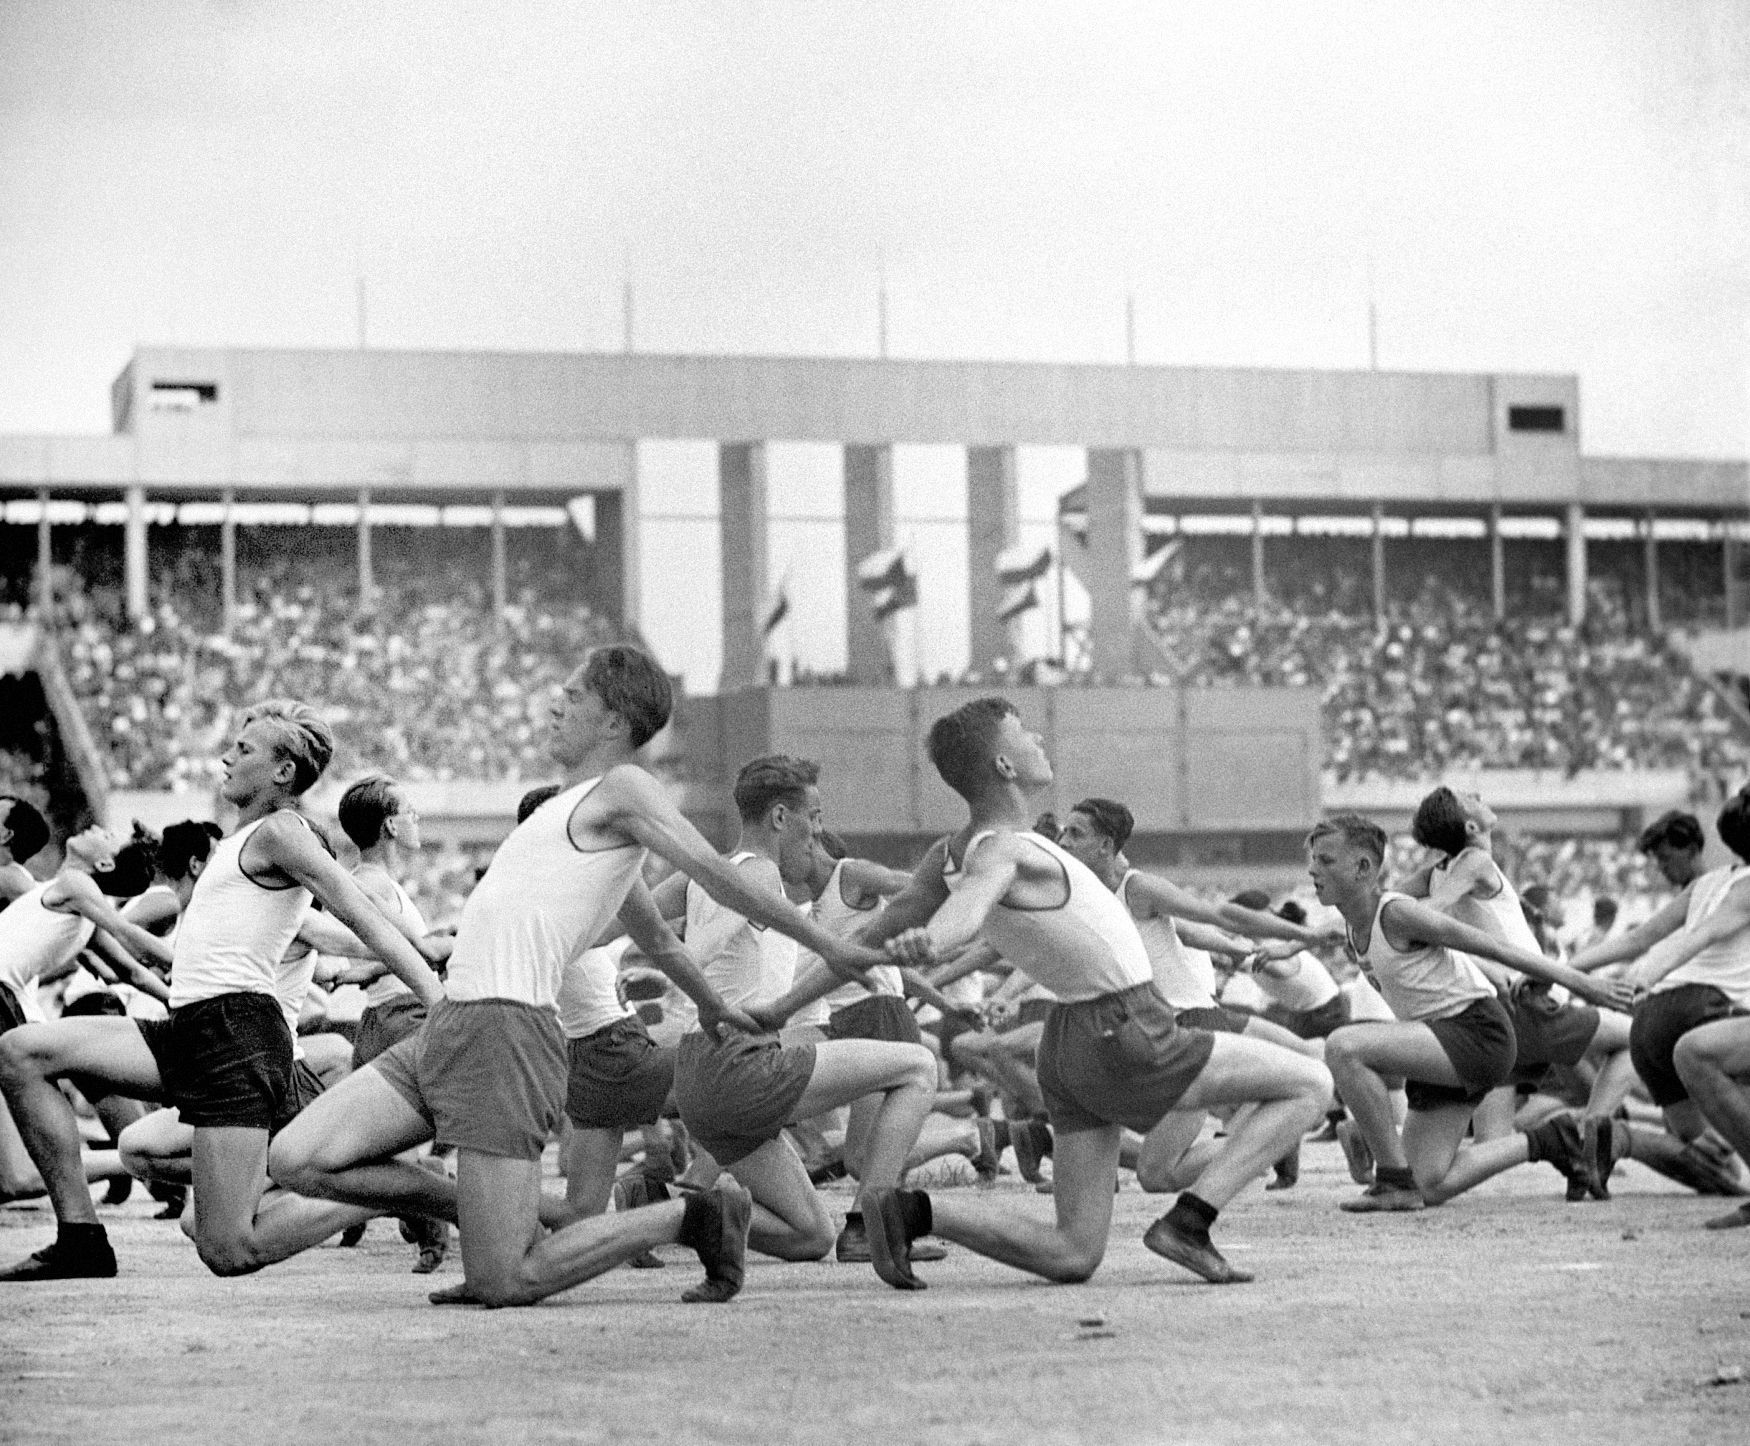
(1309, 987)
(33, 940)
(748, 963)
(386, 987)
(543, 901)
(1176, 974)
(1081, 949)
(1432, 982)
(589, 997)
(235, 931)
(1498, 916)
(839, 919)
(1725, 965)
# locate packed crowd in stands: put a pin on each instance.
(426, 685)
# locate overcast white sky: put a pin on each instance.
(1533, 186)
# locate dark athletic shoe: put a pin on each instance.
(720, 1238)
(434, 1245)
(1032, 1142)
(119, 1189)
(1200, 1257)
(853, 1245)
(889, 1241)
(95, 1261)
(172, 1197)
(988, 1160)
(650, 1260)
(1603, 1143)
(1287, 1171)
(1356, 1151)
(1385, 1198)
(350, 1237)
(1735, 1220)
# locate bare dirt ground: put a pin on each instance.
(1505, 1316)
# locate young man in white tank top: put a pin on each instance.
(1111, 1057)
(737, 1094)
(1690, 1041)
(1465, 881)
(224, 1056)
(1172, 1155)
(487, 1072)
(1453, 1041)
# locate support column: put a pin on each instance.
(134, 553)
(1258, 590)
(741, 492)
(1114, 551)
(868, 530)
(1575, 532)
(367, 580)
(1497, 564)
(228, 559)
(993, 523)
(1378, 562)
(500, 582)
(45, 556)
(1655, 614)
(1734, 590)
(618, 568)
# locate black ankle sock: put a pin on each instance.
(1398, 1177)
(853, 1217)
(80, 1236)
(1002, 1134)
(1192, 1213)
(698, 1219)
(920, 1215)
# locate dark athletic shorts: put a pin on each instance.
(1121, 1059)
(619, 1077)
(11, 1010)
(736, 1095)
(98, 1004)
(305, 1086)
(1661, 1020)
(224, 1061)
(487, 1074)
(1549, 1033)
(882, 1017)
(383, 1026)
(1479, 1042)
(1216, 1020)
(1318, 1023)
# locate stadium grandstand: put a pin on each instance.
(1317, 590)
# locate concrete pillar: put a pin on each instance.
(1378, 562)
(1497, 564)
(45, 556)
(134, 553)
(367, 582)
(1575, 531)
(1729, 560)
(993, 522)
(741, 492)
(228, 559)
(1655, 614)
(500, 581)
(868, 530)
(1114, 551)
(1258, 591)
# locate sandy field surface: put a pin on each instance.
(1505, 1316)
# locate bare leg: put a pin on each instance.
(589, 1159)
(1616, 1071)
(1711, 1060)
(1432, 1142)
(789, 1217)
(1361, 1058)
(1068, 1251)
(159, 1147)
(1173, 1153)
(1493, 1118)
(905, 1077)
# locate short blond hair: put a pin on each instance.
(299, 736)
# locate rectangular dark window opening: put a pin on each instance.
(183, 396)
(1537, 419)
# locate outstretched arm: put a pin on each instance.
(1416, 923)
(651, 933)
(1730, 917)
(1637, 940)
(291, 848)
(990, 872)
(75, 893)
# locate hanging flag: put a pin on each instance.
(1017, 600)
(898, 595)
(1151, 567)
(1023, 563)
(778, 610)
